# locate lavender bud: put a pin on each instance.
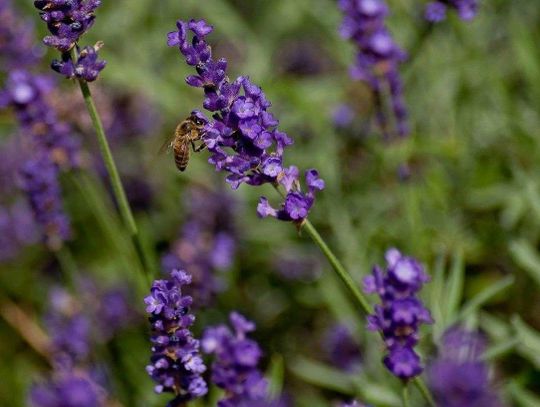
(436, 10)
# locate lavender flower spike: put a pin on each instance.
(235, 364)
(458, 377)
(176, 364)
(243, 136)
(400, 313)
(377, 60)
(436, 10)
(67, 21)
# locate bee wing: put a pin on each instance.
(166, 146)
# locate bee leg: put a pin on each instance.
(199, 148)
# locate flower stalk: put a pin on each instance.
(112, 171)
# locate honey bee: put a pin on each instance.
(185, 135)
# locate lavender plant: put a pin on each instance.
(243, 137)
(401, 313)
(377, 61)
(176, 364)
(235, 363)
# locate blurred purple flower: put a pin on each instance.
(378, 58)
(401, 313)
(67, 389)
(207, 244)
(40, 183)
(342, 116)
(235, 363)
(17, 48)
(342, 349)
(243, 137)
(176, 364)
(17, 230)
(67, 20)
(436, 10)
(458, 377)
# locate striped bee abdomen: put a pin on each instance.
(181, 154)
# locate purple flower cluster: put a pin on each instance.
(67, 20)
(17, 48)
(27, 95)
(71, 384)
(207, 244)
(436, 10)
(400, 313)
(17, 229)
(458, 377)
(342, 348)
(176, 364)
(87, 67)
(41, 185)
(67, 389)
(52, 145)
(377, 60)
(235, 363)
(243, 137)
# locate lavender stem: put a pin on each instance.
(359, 297)
(114, 178)
(405, 395)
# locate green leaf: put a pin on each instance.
(529, 341)
(522, 396)
(276, 374)
(526, 257)
(455, 285)
(484, 296)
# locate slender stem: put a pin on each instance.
(68, 267)
(337, 266)
(405, 395)
(421, 386)
(116, 183)
(357, 294)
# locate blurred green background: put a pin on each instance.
(470, 210)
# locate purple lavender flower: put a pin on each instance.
(436, 10)
(41, 185)
(207, 244)
(87, 67)
(17, 48)
(378, 58)
(176, 364)
(17, 229)
(342, 116)
(235, 363)
(67, 20)
(458, 377)
(401, 313)
(242, 137)
(342, 348)
(27, 95)
(67, 389)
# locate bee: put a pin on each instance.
(185, 135)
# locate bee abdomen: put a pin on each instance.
(181, 156)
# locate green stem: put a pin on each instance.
(68, 267)
(357, 294)
(337, 266)
(405, 395)
(421, 386)
(116, 183)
